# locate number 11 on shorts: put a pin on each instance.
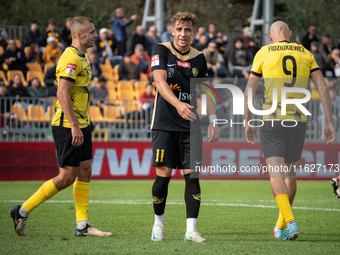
(157, 155)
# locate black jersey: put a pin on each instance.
(180, 68)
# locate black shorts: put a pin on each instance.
(182, 150)
(280, 141)
(67, 154)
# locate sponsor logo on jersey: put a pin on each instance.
(71, 69)
(183, 64)
(194, 71)
(86, 62)
(171, 72)
(155, 60)
(173, 87)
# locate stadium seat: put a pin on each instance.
(129, 106)
(27, 50)
(95, 114)
(47, 66)
(3, 76)
(125, 85)
(36, 67)
(140, 85)
(11, 73)
(143, 77)
(112, 93)
(125, 94)
(109, 76)
(49, 113)
(19, 111)
(1, 50)
(36, 113)
(111, 85)
(111, 113)
(106, 68)
(39, 75)
(18, 43)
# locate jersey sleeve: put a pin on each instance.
(204, 71)
(159, 59)
(69, 67)
(257, 64)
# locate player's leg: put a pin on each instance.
(164, 159)
(19, 213)
(190, 157)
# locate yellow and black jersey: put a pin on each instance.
(180, 68)
(284, 64)
(55, 34)
(74, 67)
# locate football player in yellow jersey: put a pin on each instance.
(284, 64)
(71, 133)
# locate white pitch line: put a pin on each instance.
(144, 202)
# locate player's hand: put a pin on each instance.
(330, 133)
(77, 136)
(213, 133)
(183, 109)
(250, 132)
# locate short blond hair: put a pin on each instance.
(78, 24)
(184, 17)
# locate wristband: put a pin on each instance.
(212, 118)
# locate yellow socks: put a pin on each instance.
(46, 191)
(81, 191)
(281, 220)
(282, 202)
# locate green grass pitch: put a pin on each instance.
(236, 217)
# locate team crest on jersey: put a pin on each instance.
(171, 72)
(194, 71)
(71, 68)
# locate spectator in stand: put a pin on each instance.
(215, 36)
(34, 35)
(3, 37)
(249, 43)
(314, 49)
(240, 59)
(309, 37)
(328, 68)
(128, 71)
(36, 90)
(34, 54)
(50, 80)
(202, 43)
(119, 24)
(146, 100)
(214, 60)
(152, 38)
(65, 35)
(14, 57)
(200, 31)
(5, 103)
(51, 51)
(105, 46)
(138, 38)
(142, 60)
(336, 56)
(167, 35)
(325, 48)
(52, 32)
(99, 93)
(96, 71)
(16, 89)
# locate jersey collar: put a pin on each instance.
(284, 41)
(173, 46)
(80, 55)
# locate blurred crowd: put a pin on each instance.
(27, 69)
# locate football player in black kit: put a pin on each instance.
(176, 134)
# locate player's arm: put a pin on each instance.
(253, 83)
(64, 98)
(213, 130)
(325, 99)
(164, 89)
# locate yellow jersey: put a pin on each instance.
(284, 64)
(75, 67)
